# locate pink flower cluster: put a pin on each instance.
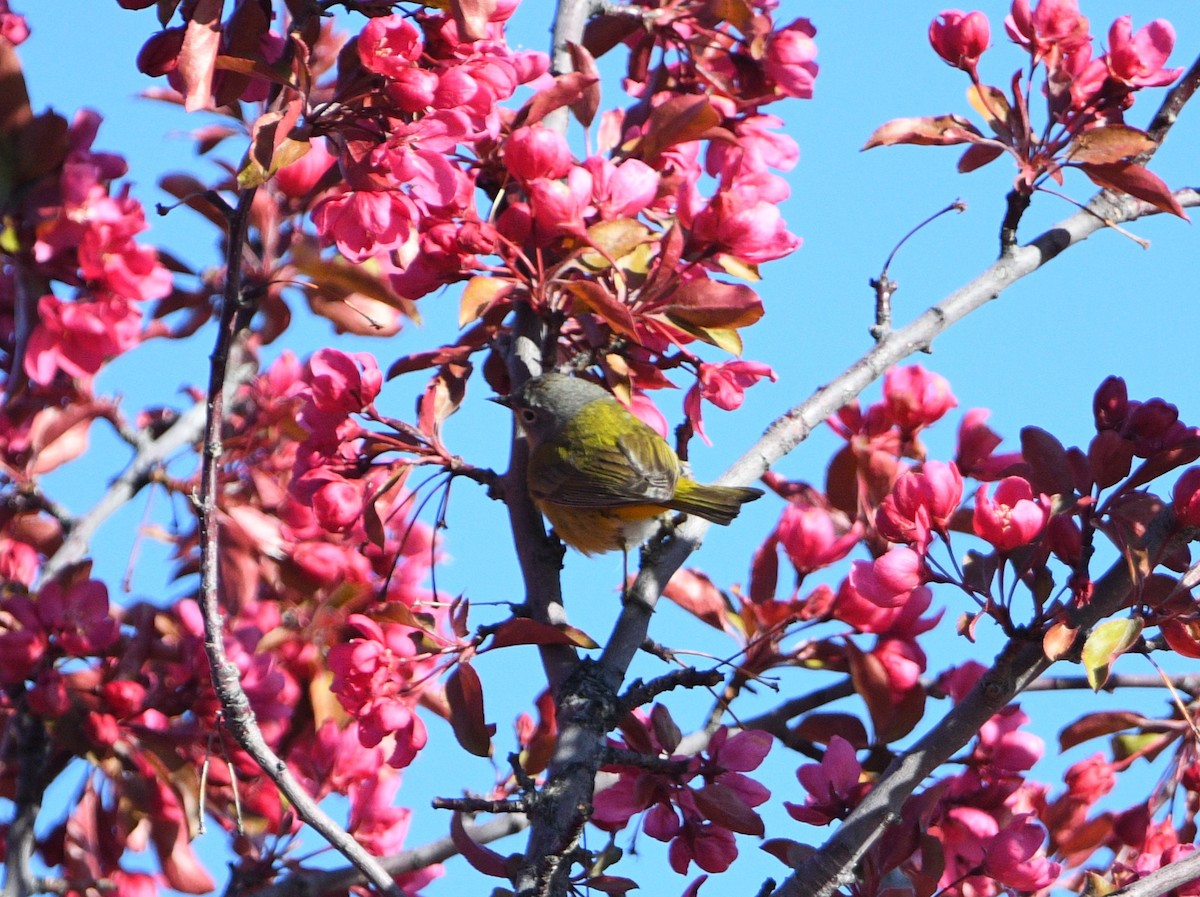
(86, 239)
(696, 803)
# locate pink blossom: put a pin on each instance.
(537, 152)
(960, 38)
(890, 578)
(12, 25)
(375, 820)
(915, 397)
(1185, 497)
(412, 89)
(1054, 26)
(560, 206)
(834, 785)
(744, 221)
(338, 505)
(135, 884)
(297, 180)
(379, 680)
(1013, 516)
(724, 385)
(389, 44)
(363, 223)
(77, 338)
(711, 846)
(1005, 744)
(1090, 779)
(976, 444)
(903, 619)
(342, 383)
(18, 562)
(791, 59)
(621, 191)
(676, 810)
(1137, 60)
(644, 409)
(811, 539)
(1015, 856)
(761, 144)
(920, 504)
(419, 152)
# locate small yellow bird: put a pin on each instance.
(601, 476)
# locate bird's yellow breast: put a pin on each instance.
(597, 530)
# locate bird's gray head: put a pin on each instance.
(545, 404)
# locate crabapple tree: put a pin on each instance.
(605, 208)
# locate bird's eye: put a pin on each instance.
(528, 415)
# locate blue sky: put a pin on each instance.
(1033, 357)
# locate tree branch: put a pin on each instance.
(235, 315)
(1018, 665)
(150, 456)
(1164, 880)
(315, 882)
(32, 744)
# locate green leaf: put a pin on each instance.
(1105, 644)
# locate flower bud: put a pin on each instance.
(960, 37)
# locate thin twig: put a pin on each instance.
(150, 456)
(239, 716)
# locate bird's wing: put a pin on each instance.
(637, 468)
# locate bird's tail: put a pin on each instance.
(719, 504)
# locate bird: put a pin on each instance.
(601, 476)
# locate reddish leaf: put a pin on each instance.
(15, 111)
(1139, 182)
(442, 397)
(271, 145)
(479, 295)
(1183, 636)
(1097, 725)
(41, 148)
(566, 90)
(696, 593)
(472, 16)
(610, 884)
(790, 853)
(666, 732)
(586, 106)
(722, 805)
(1049, 471)
(482, 859)
(1111, 143)
(244, 32)
(932, 130)
(978, 155)
(841, 481)
(596, 298)
(603, 33)
(992, 104)
(464, 694)
(1058, 641)
(524, 631)
(821, 727)
(678, 120)
(372, 523)
(197, 59)
(764, 571)
(193, 194)
(713, 304)
(350, 295)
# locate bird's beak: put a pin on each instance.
(506, 401)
